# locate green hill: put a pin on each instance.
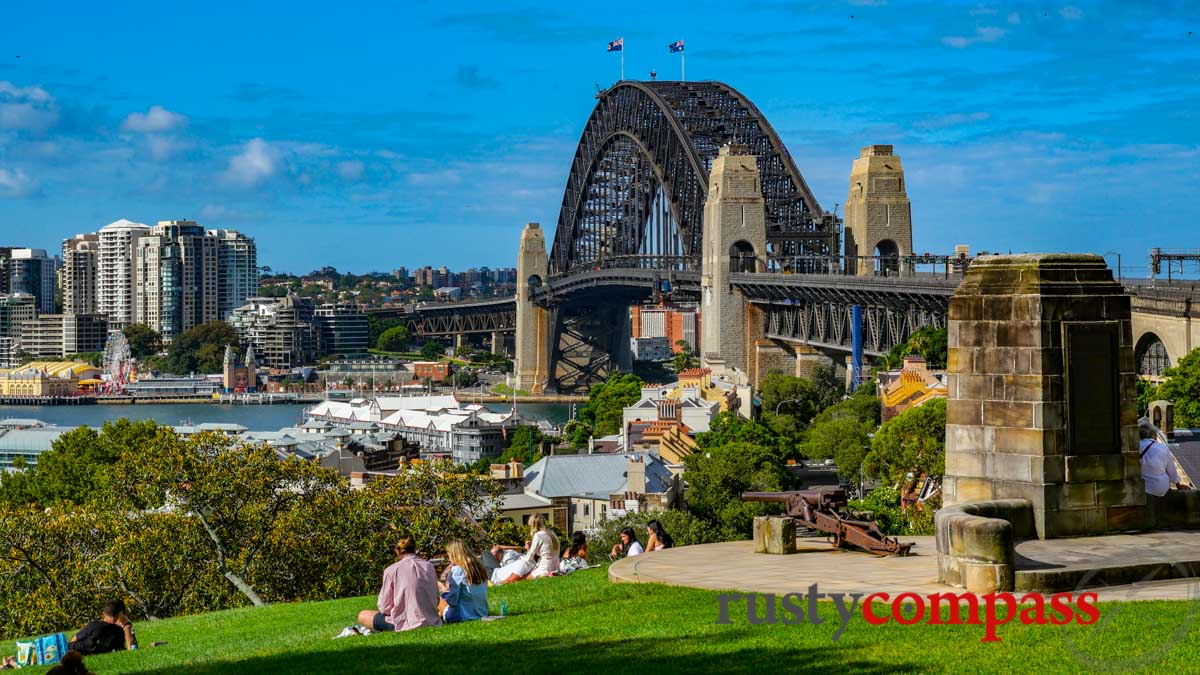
(583, 623)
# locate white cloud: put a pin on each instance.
(156, 120)
(26, 108)
(1071, 13)
(982, 34)
(257, 162)
(165, 147)
(350, 170)
(14, 183)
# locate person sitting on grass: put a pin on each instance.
(409, 596)
(575, 557)
(464, 594)
(629, 545)
(112, 633)
(543, 548)
(656, 537)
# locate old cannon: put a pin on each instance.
(822, 509)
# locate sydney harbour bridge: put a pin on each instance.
(632, 225)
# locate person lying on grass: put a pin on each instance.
(543, 547)
(409, 596)
(464, 592)
(111, 633)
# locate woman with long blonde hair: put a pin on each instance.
(465, 590)
(543, 545)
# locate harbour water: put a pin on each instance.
(253, 417)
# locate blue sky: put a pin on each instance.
(367, 137)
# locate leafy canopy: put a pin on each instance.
(913, 441)
(201, 349)
(601, 415)
(143, 340)
(1182, 387)
(394, 339)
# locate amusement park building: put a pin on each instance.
(49, 379)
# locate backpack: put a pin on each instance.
(43, 651)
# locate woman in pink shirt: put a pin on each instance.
(409, 597)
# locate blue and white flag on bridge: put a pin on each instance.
(617, 45)
(676, 46)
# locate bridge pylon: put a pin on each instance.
(735, 240)
(531, 367)
(878, 221)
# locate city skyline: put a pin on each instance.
(1023, 127)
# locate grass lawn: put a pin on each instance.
(583, 623)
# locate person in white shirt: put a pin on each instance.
(540, 560)
(1158, 464)
(543, 546)
(629, 545)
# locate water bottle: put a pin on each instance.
(504, 607)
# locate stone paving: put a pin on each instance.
(734, 566)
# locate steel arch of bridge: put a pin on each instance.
(636, 190)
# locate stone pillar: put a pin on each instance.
(878, 215)
(1041, 401)
(497, 342)
(458, 340)
(735, 240)
(532, 364)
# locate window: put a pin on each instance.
(586, 510)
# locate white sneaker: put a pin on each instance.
(347, 632)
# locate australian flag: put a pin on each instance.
(617, 45)
(676, 46)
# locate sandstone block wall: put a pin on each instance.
(1041, 401)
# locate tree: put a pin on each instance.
(91, 358)
(717, 477)
(913, 441)
(842, 432)
(463, 350)
(432, 351)
(928, 342)
(728, 427)
(201, 349)
(830, 388)
(464, 378)
(1182, 388)
(394, 339)
(684, 358)
(520, 441)
(143, 340)
(601, 415)
(77, 467)
(236, 492)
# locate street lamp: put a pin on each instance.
(1118, 262)
(789, 400)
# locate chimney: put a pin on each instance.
(635, 474)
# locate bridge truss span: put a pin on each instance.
(817, 310)
(636, 189)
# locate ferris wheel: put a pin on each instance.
(118, 363)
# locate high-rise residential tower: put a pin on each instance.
(176, 272)
(116, 271)
(78, 277)
(237, 270)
